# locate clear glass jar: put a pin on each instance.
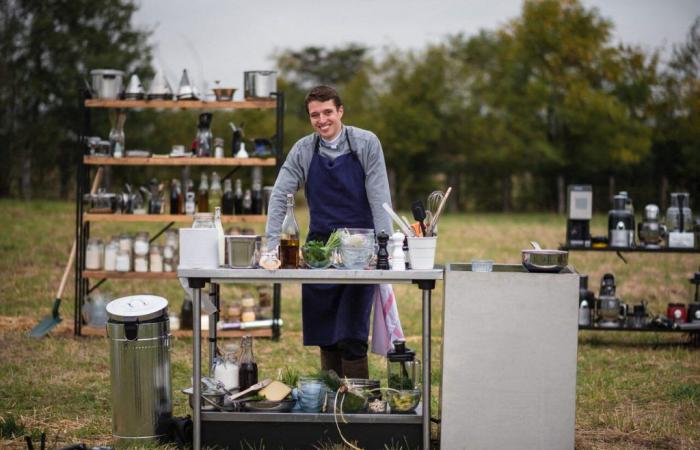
(168, 251)
(171, 239)
(94, 254)
(123, 260)
(168, 265)
(203, 220)
(225, 368)
(140, 263)
(248, 314)
(141, 244)
(233, 312)
(155, 258)
(126, 242)
(111, 250)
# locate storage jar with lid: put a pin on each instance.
(123, 260)
(155, 258)
(94, 254)
(141, 244)
(126, 242)
(140, 263)
(111, 249)
(171, 239)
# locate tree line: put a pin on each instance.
(508, 117)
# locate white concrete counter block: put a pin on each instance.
(509, 359)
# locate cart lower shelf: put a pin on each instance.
(236, 430)
(256, 332)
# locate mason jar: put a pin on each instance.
(155, 258)
(141, 244)
(94, 254)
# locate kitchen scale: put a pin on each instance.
(579, 213)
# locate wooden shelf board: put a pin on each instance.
(180, 104)
(184, 161)
(257, 332)
(130, 275)
(180, 218)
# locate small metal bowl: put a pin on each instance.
(224, 94)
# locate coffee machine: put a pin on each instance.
(608, 304)
(679, 220)
(621, 222)
(651, 233)
(579, 207)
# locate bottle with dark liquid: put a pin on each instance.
(203, 194)
(247, 202)
(186, 314)
(256, 194)
(289, 237)
(238, 198)
(227, 199)
(247, 367)
(175, 197)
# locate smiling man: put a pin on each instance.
(342, 171)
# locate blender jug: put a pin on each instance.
(403, 370)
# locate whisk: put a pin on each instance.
(434, 200)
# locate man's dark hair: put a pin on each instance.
(322, 94)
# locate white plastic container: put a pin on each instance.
(199, 248)
(421, 252)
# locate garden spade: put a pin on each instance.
(49, 322)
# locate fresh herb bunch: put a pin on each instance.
(317, 254)
(289, 376)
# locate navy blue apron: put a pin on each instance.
(336, 195)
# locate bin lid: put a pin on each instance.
(137, 308)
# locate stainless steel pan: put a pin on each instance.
(548, 261)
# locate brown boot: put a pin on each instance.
(330, 360)
(356, 368)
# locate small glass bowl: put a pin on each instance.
(315, 263)
(404, 401)
(482, 265)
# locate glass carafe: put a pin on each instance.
(225, 368)
(116, 134)
(403, 370)
(679, 216)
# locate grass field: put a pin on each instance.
(634, 390)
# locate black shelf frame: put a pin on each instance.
(82, 286)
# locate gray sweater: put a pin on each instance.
(295, 170)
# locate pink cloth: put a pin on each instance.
(386, 325)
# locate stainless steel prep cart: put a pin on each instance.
(197, 278)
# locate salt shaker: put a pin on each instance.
(398, 259)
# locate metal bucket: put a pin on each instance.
(259, 84)
(107, 83)
(242, 251)
(140, 371)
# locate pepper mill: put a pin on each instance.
(382, 253)
(398, 258)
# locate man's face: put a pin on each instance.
(325, 118)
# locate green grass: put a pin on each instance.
(634, 390)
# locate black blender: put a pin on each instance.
(579, 211)
(204, 136)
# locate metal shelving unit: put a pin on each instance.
(84, 279)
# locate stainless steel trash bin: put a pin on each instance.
(139, 334)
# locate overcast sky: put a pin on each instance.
(219, 39)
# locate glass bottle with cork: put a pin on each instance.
(289, 237)
(238, 198)
(227, 199)
(215, 193)
(203, 194)
(175, 196)
(247, 367)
